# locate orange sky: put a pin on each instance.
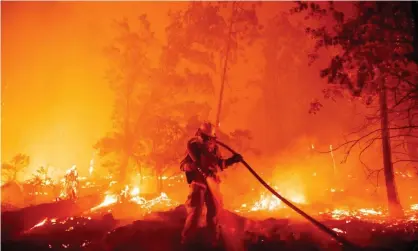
(54, 95)
(56, 102)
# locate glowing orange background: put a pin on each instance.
(57, 104)
(55, 101)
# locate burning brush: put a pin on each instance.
(131, 194)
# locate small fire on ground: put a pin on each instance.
(132, 195)
(270, 203)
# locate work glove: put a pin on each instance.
(237, 158)
(234, 159)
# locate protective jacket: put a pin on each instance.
(199, 163)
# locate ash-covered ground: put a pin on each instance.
(65, 225)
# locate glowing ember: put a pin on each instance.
(414, 207)
(40, 224)
(360, 213)
(160, 200)
(338, 213)
(338, 230)
(370, 212)
(365, 214)
(85, 243)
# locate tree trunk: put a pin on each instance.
(141, 177)
(414, 10)
(157, 172)
(395, 208)
(228, 48)
(123, 171)
(159, 183)
(14, 177)
(159, 180)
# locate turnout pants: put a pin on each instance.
(200, 195)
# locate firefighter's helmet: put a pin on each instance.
(208, 129)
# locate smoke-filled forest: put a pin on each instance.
(302, 114)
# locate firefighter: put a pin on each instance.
(203, 162)
(71, 183)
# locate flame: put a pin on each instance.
(338, 230)
(161, 200)
(365, 211)
(91, 166)
(368, 214)
(271, 203)
(132, 194)
(40, 223)
(108, 200)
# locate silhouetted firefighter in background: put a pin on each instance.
(71, 184)
(202, 162)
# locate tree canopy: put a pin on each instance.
(373, 39)
(375, 62)
(17, 164)
(159, 105)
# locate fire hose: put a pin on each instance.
(318, 224)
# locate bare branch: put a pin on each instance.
(405, 160)
(352, 143)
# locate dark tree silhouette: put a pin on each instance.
(128, 76)
(373, 63)
(211, 36)
(156, 105)
(16, 165)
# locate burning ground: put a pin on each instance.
(130, 220)
(103, 232)
(108, 215)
